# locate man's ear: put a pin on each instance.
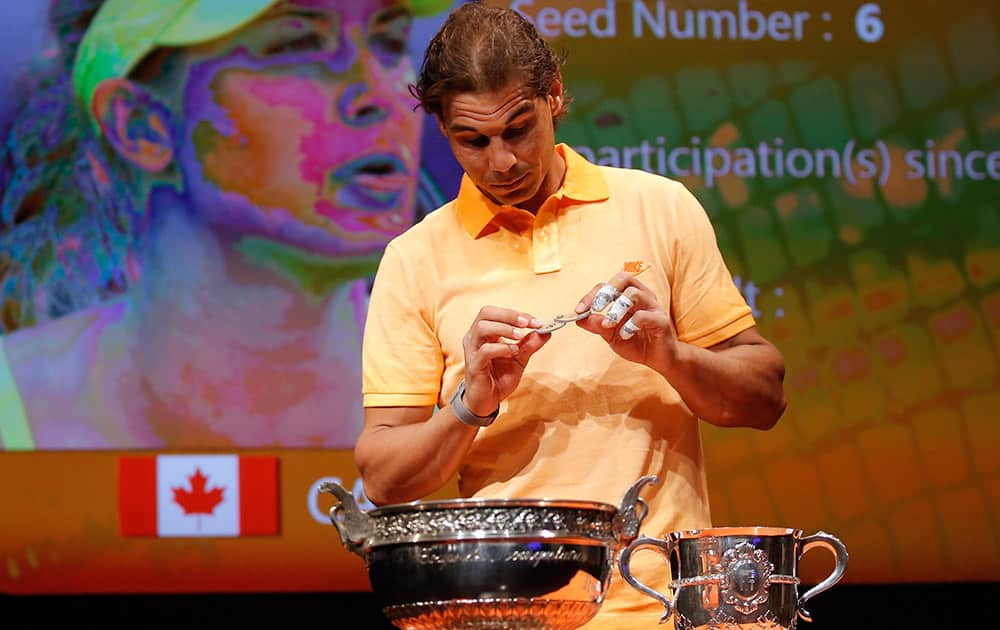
(556, 96)
(134, 122)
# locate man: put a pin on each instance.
(583, 411)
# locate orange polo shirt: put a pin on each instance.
(583, 423)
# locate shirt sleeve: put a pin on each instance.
(402, 360)
(706, 305)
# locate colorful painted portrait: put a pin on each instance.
(195, 197)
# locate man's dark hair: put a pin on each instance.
(484, 49)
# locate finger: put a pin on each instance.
(486, 331)
(494, 322)
(629, 328)
(605, 295)
(618, 309)
(629, 280)
(587, 300)
(650, 321)
(631, 299)
(530, 345)
(595, 324)
(490, 352)
(508, 316)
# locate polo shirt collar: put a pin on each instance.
(583, 183)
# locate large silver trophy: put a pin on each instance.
(489, 564)
(736, 577)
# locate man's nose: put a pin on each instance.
(502, 159)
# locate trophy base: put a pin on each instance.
(493, 614)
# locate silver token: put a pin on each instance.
(550, 327)
(572, 317)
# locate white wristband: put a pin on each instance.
(464, 415)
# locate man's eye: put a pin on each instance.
(479, 143)
(515, 132)
(310, 42)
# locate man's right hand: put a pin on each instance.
(405, 453)
(497, 349)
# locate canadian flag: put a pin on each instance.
(198, 495)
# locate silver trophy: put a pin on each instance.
(489, 564)
(736, 577)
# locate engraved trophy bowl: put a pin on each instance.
(742, 578)
(489, 564)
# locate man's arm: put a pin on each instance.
(405, 453)
(736, 383)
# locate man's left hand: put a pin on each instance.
(737, 382)
(635, 324)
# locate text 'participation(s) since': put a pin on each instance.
(775, 158)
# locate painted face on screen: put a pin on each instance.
(505, 141)
(300, 128)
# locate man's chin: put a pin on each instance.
(514, 198)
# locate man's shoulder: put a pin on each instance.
(620, 178)
(643, 190)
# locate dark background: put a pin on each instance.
(845, 606)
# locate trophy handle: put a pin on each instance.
(353, 525)
(633, 508)
(663, 546)
(834, 546)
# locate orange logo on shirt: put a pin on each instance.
(634, 267)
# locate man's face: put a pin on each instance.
(299, 128)
(505, 141)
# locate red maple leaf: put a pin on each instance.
(197, 500)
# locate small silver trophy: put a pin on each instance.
(736, 577)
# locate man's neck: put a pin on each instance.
(553, 181)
